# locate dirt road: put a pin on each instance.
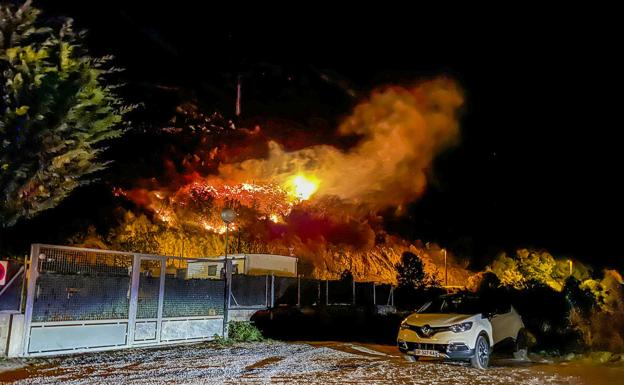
(287, 363)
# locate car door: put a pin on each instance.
(505, 323)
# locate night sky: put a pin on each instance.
(540, 159)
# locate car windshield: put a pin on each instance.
(455, 305)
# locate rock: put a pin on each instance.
(569, 357)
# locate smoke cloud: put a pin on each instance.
(401, 130)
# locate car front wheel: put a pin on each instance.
(481, 358)
(410, 358)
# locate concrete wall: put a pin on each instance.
(5, 323)
(241, 314)
(11, 332)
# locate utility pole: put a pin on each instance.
(445, 269)
(228, 216)
(238, 95)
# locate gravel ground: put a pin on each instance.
(273, 363)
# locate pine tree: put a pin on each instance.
(57, 112)
(411, 272)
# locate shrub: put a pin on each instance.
(244, 331)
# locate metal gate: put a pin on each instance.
(88, 300)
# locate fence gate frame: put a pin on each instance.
(177, 323)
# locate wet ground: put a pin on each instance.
(288, 363)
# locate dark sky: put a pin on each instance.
(540, 160)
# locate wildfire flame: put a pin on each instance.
(302, 186)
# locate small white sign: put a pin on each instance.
(4, 266)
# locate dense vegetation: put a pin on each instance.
(57, 112)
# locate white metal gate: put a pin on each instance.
(89, 300)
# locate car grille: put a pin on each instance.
(432, 330)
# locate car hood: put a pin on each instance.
(439, 319)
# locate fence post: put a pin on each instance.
(353, 297)
(266, 290)
(161, 297)
(374, 295)
(134, 297)
(33, 273)
(318, 292)
(326, 292)
(24, 283)
(298, 290)
(272, 290)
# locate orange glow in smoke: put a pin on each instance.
(302, 187)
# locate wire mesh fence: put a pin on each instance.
(82, 284)
(340, 292)
(310, 292)
(62, 297)
(285, 291)
(76, 284)
(68, 261)
(365, 293)
(188, 294)
(250, 291)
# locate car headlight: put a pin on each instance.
(462, 327)
(404, 325)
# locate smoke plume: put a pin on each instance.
(400, 129)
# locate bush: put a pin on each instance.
(244, 331)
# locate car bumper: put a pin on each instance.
(446, 351)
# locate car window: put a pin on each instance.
(424, 307)
(503, 308)
(454, 305)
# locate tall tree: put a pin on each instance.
(57, 109)
(411, 272)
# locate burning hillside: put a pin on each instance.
(318, 201)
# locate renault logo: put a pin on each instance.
(426, 330)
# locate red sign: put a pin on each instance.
(3, 271)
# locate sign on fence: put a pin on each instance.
(4, 266)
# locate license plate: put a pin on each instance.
(426, 353)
